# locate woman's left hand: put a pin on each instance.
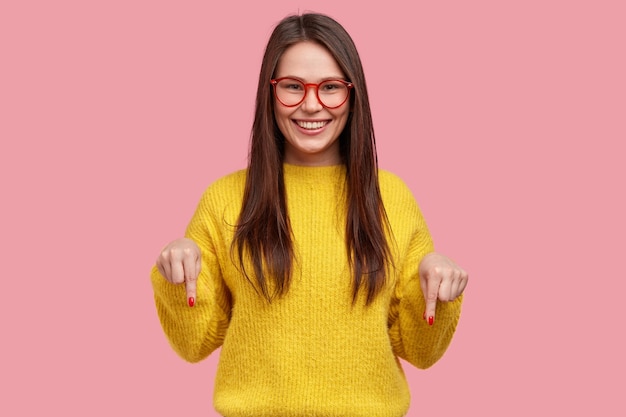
(441, 279)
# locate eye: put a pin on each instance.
(291, 85)
(332, 86)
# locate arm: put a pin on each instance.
(415, 334)
(195, 325)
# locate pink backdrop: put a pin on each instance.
(507, 119)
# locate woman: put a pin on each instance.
(311, 268)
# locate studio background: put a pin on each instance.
(505, 118)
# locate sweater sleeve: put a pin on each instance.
(411, 337)
(195, 332)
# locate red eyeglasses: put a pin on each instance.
(330, 93)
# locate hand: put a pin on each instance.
(180, 262)
(440, 279)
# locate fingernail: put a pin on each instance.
(191, 301)
(431, 320)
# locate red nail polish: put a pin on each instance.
(191, 301)
(431, 320)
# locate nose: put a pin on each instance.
(310, 103)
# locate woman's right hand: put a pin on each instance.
(180, 262)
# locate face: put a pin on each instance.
(310, 129)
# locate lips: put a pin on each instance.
(311, 125)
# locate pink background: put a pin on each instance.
(507, 120)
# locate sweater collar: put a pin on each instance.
(315, 174)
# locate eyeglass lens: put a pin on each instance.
(332, 93)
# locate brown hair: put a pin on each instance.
(263, 228)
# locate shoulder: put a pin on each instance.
(234, 180)
(394, 189)
(390, 179)
(398, 199)
(403, 212)
(225, 189)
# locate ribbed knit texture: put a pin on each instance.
(311, 352)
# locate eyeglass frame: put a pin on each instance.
(348, 84)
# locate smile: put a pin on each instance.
(311, 125)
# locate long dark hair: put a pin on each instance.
(263, 231)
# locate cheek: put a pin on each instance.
(343, 120)
(282, 120)
(281, 113)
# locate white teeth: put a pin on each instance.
(311, 125)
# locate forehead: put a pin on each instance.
(309, 61)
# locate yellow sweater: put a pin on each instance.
(310, 353)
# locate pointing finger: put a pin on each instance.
(190, 287)
(433, 281)
(190, 263)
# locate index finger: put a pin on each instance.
(190, 287)
(431, 294)
(192, 269)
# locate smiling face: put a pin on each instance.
(311, 130)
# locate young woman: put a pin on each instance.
(312, 270)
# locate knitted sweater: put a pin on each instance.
(311, 352)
